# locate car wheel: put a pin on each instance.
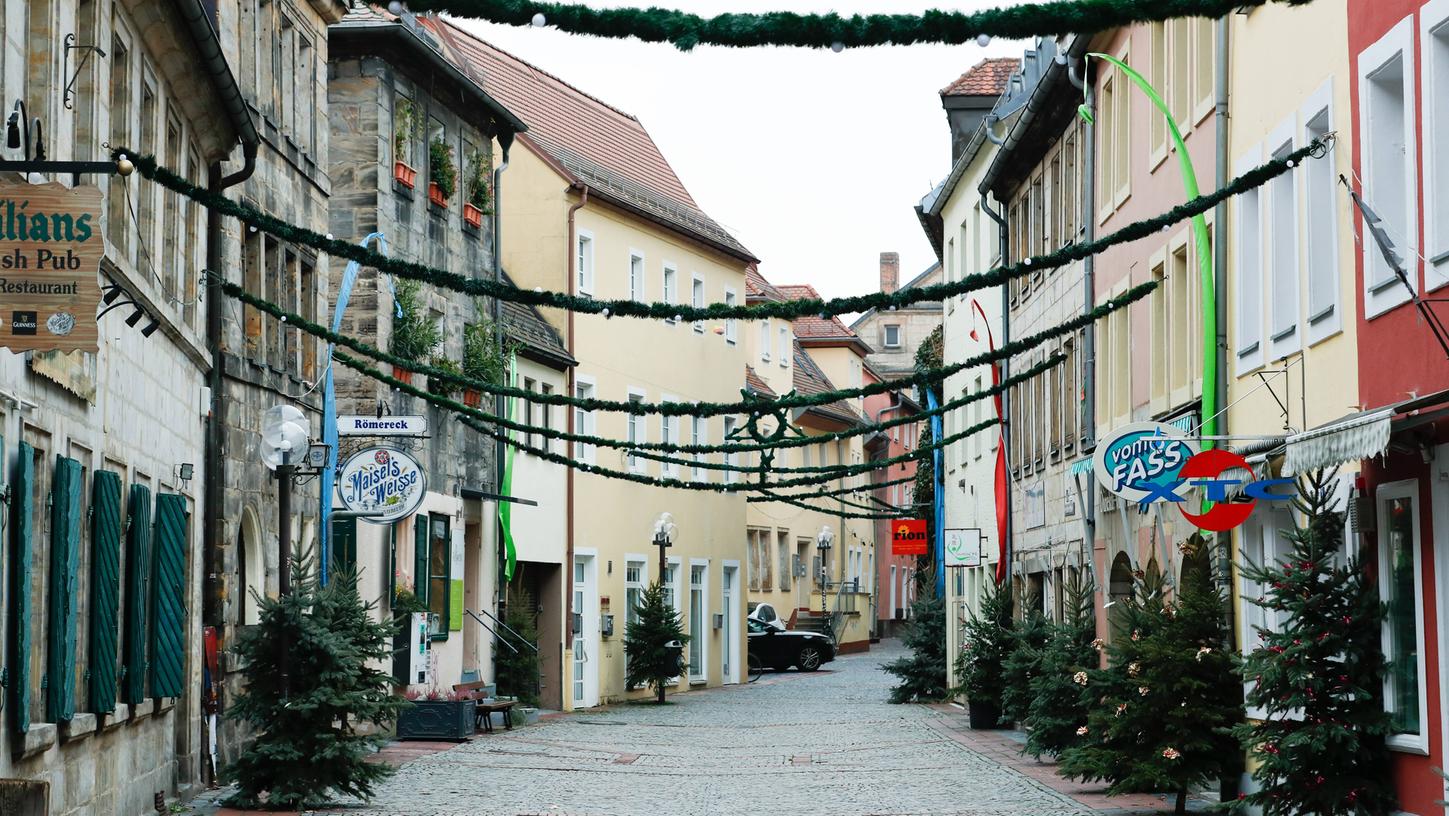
(809, 659)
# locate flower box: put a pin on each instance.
(435, 195)
(405, 175)
(402, 375)
(436, 720)
(472, 216)
(472, 397)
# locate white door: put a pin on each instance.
(586, 671)
(698, 628)
(730, 651)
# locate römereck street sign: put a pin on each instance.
(382, 426)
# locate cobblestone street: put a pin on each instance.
(823, 743)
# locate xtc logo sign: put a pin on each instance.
(1150, 462)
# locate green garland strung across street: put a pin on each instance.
(840, 491)
(755, 405)
(845, 514)
(783, 28)
(635, 447)
(790, 309)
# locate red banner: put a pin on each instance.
(908, 537)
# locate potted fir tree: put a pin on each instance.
(405, 123)
(442, 172)
(983, 657)
(654, 643)
(414, 335)
(478, 194)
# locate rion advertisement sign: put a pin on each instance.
(50, 256)
(384, 481)
(908, 537)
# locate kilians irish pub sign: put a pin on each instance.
(50, 255)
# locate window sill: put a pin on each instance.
(142, 710)
(115, 718)
(38, 739)
(80, 726)
(1406, 747)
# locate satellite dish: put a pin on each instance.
(284, 436)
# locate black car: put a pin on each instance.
(780, 649)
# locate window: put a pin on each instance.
(636, 276)
(699, 432)
(1386, 88)
(730, 423)
(784, 348)
(440, 571)
(584, 423)
(1179, 54)
(1400, 586)
(1157, 73)
(1248, 258)
(1161, 349)
(1282, 256)
(529, 410)
(731, 325)
(117, 221)
(783, 544)
(633, 587)
(637, 433)
(977, 410)
(584, 263)
(1321, 224)
(669, 428)
(891, 335)
(1071, 199)
(764, 341)
(671, 581)
(696, 299)
(697, 668)
(671, 287)
(546, 414)
(1264, 543)
(171, 262)
(1434, 38)
(145, 195)
(1182, 320)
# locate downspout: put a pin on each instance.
(505, 142)
(1089, 298)
(568, 565)
(1220, 261)
(1002, 249)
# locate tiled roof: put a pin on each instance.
(813, 327)
(524, 324)
(601, 144)
(758, 289)
(809, 379)
(987, 78)
(756, 384)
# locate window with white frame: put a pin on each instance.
(584, 263)
(634, 569)
(636, 434)
(584, 422)
(891, 335)
(697, 624)
(764, 341)
(670, 287)
(670, 429)
(784, 347)
(636, 276)
(696, 299)
(731, 325)
(698, 434)
(1282, 257)
(1320, 219)
(1434, 40)
(1401, 589)
(1248, 259)
(1386, 94)
(730, 423)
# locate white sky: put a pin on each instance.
(814, 160)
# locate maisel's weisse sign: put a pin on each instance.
(50, 254)
(908, 537)
(387, 482)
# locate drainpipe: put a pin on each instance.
(1220, 259)
(568, 566)
(505, 141)
(1003, 249)
(1089, 299)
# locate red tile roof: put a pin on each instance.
(756, 384)
(758, 289)
(813, 327)
(987, 78)
(810, 379)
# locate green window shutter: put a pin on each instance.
(344, 546)
(60, 656)
(138, 579)
(420, 558)
(168, 598)
(105, 590)
(22, 506)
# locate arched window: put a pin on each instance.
(1120, 591)
(251, 568)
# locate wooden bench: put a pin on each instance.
(485, 705)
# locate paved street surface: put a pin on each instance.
(823, 743)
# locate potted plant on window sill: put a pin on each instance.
(478, 194)
(442, 173)
(404, 130)
(485, 357)
(435, 714)
(440, 386)
(414, 335)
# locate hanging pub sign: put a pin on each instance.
(384, 481)
(963, 547)
(1140, 462)
(908, 537)
(50, 256)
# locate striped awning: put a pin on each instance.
(1358, 436)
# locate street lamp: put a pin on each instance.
(824, 539)
(664, 532)
(284, 445)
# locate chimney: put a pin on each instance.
(890, 272)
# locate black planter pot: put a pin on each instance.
(436, 720)
(983, 716)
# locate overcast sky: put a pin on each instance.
(813, 159)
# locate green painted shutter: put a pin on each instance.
(168, 594)
(344, 546)
(105, 591)
(22, 506)
(420, 558)
(60, 656)
(138, 579)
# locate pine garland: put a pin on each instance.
(791, 309)
(783, 28)
(840, 490)
(844, 514)
(753, 405)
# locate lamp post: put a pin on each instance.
(664, 532)
(284, 444)
(824, 539)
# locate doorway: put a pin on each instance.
(586, 633)
(729, 631)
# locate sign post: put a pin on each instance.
(50, 256)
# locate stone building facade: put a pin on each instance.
(895, 334)
(101, 716)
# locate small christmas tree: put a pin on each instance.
(651, 660)
(923, 674)
(1024, 662)
(984, 654)
(312, 680)
(1320, 751)
(1059, 705)
(516, 668)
